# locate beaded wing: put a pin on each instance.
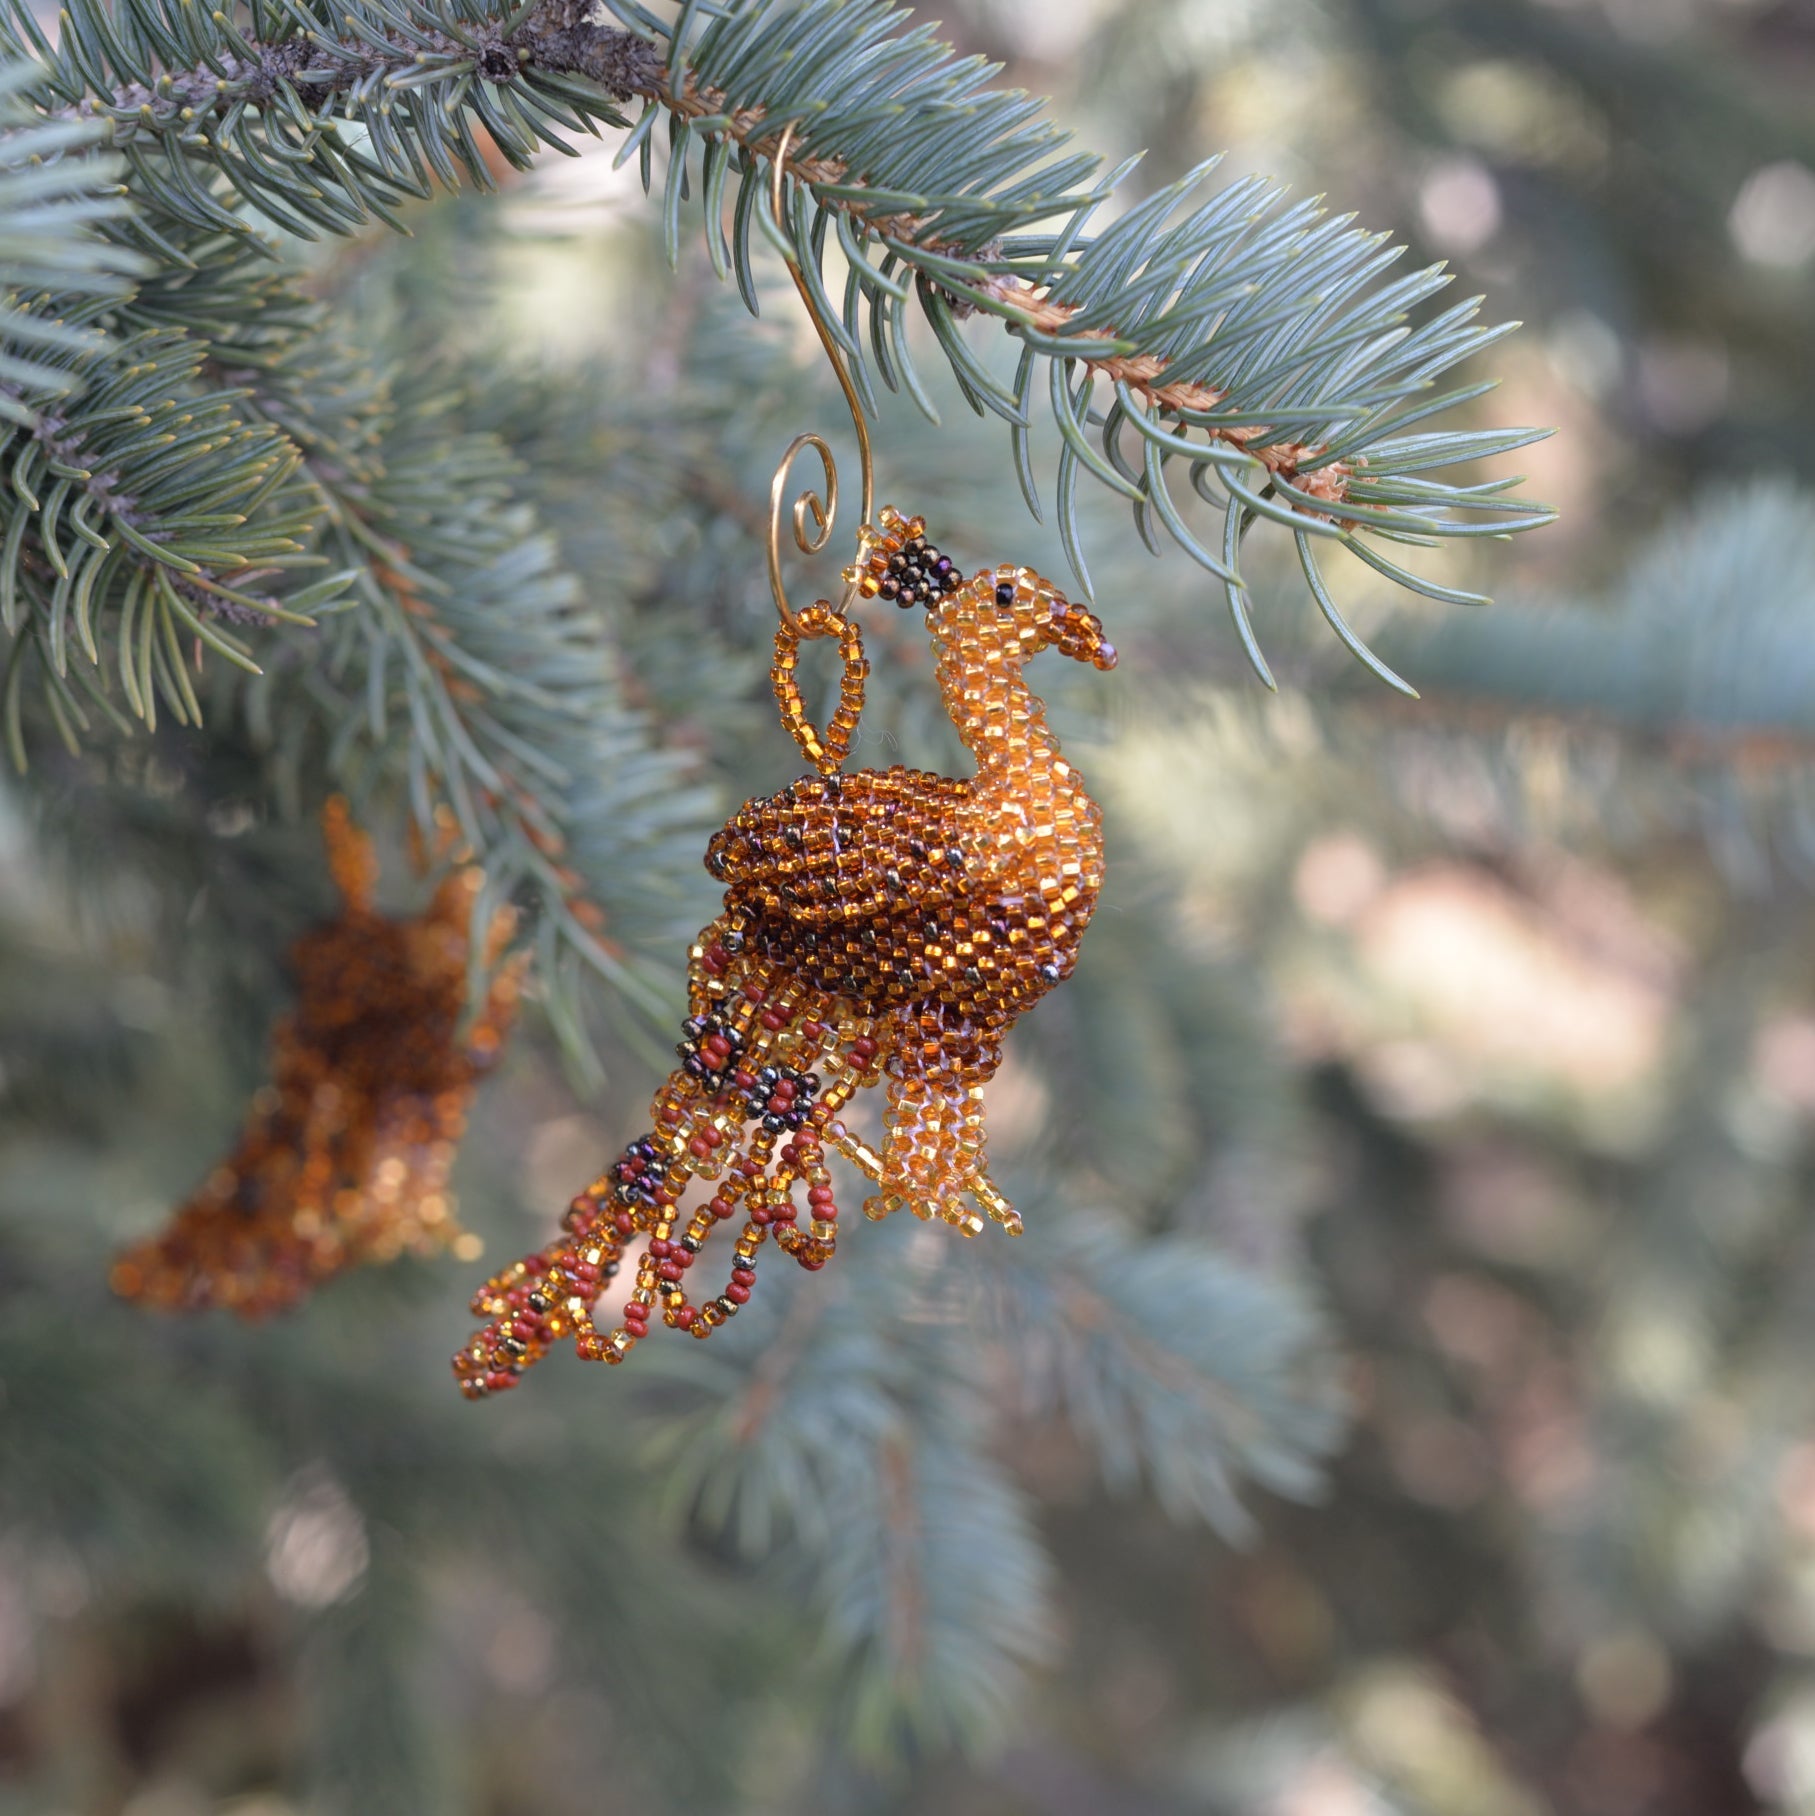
(882, 927)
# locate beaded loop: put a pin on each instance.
(825, 751)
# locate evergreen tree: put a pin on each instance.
(296, 508)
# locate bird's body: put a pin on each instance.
(946, 906)
(895, 888)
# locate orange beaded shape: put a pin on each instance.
(884, 924)
(346, 1153)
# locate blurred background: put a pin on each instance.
(1487, 1023)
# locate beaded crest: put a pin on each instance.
(884, 926)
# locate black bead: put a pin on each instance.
(890, 587)
(1005, 592)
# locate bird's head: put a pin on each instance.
(1006, 608)
(1033, 614)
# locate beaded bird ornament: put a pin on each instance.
(880, 928)
(346, 1152)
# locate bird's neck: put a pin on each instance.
(1000, 721)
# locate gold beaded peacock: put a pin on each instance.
(885, 925)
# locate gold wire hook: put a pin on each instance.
(809, 505)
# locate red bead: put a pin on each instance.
(660, 1247)
(722, 1208)
(743, 1080)
(671, 1113)
(738, 1293)
(819, 1194)
(636, 1312)
(755, 993)
(685, 1317)
(863, 1048)
(624, 1223)
(773, 1020)
(699, 1147)
(669, 1270)
(499, 1380)
(761, 1214)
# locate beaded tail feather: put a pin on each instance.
(884, 925)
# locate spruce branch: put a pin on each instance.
(51, 204)
(855, 1453)
(1210, 347)
(207, 439)
(554, 35)
(1252, 347)
(1704, 646)
(474, 672)
(1230, 1384)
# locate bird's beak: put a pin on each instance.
(1078, 633)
